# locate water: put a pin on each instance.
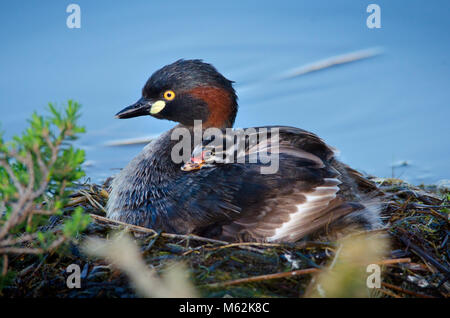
(386, 110)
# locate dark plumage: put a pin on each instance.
(311, 191)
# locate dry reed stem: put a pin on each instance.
(294, 273)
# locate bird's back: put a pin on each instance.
(309, 192)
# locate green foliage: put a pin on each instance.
(78, 221)
(38, 170)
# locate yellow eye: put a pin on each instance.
(169, 95)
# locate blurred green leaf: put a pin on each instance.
(41, 166)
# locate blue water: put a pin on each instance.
(378, 112)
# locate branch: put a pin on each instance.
(293, 273)
(265, 277)
(12, 176)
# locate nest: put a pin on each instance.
(417, 224)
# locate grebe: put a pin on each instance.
(311, 192)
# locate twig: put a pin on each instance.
(21, 250)
(394, 261)
(5, 265)
(22, 239)
(141, 229)
(193, 237)
(293, 273)
(42, 212)
(265, 277)
(242, 245)
(26, 250)
(426, 206)
(250, 243)
(389, 293)
(435, 213)
(92, 201)
(12, 176)
(405, 291)
(247, 246)
(75, 201)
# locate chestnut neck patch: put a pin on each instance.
(222, 106)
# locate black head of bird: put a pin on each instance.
(185, 91)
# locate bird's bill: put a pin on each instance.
(142, 107)
(191, 166)
(195, 163)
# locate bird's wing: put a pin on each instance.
(363, 184)
(302, 196)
